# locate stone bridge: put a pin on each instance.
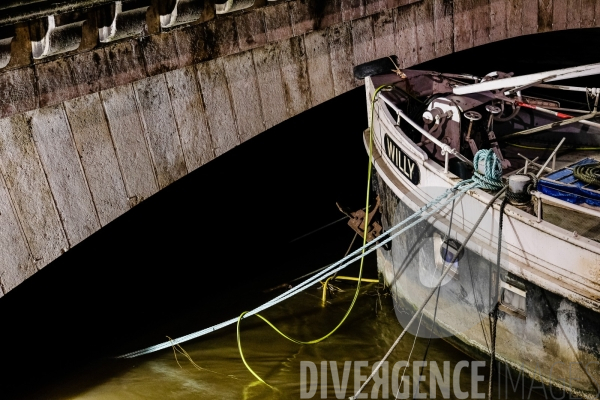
(104, 103)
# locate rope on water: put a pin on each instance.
(356, 293)
(491, 179)
(423, 213)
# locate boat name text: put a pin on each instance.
(404, 163)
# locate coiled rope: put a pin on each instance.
(588, 173)
(492, 178)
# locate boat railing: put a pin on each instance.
(446, 149)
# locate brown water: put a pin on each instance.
(367, 335)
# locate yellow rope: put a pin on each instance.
(361, 262)
(550, 148)
(178, 349)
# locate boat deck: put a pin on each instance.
(579, 144)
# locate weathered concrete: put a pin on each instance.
(245, 95)
(318, 63)
(63, 169)
(130, 144)
(217, 101)
(161, 131)
(270, 83)
(188, 108)
(94, 145)
(86, 135)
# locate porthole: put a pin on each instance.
(444, 252)
(449, 248)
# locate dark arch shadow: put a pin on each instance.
(200, 251)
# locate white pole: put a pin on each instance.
(516, 81)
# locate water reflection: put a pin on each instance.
(366, 336)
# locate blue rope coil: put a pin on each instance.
(492, 178)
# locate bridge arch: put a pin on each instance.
(94, 122)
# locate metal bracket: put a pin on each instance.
(357, 222)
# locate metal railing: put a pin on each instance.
(446, 149)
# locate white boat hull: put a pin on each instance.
(556, 339)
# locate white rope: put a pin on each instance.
(435, 205)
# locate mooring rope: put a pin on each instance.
(366, 224)
(491, 179)
(487, 181)
(423, 213)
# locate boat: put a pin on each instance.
(536, 307)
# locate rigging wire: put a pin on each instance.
(431, 293)
(437, 298)
(318, 229)
(409, 355)
(494, 312)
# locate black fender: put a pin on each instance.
(383, 65)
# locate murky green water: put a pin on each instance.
(366, 336)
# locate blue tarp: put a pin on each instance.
(563, 185)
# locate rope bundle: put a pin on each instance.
(492, 178)
(588, 173)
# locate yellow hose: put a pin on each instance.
(351, 278)
(343, 278)
(359, 274)
(549, 148)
